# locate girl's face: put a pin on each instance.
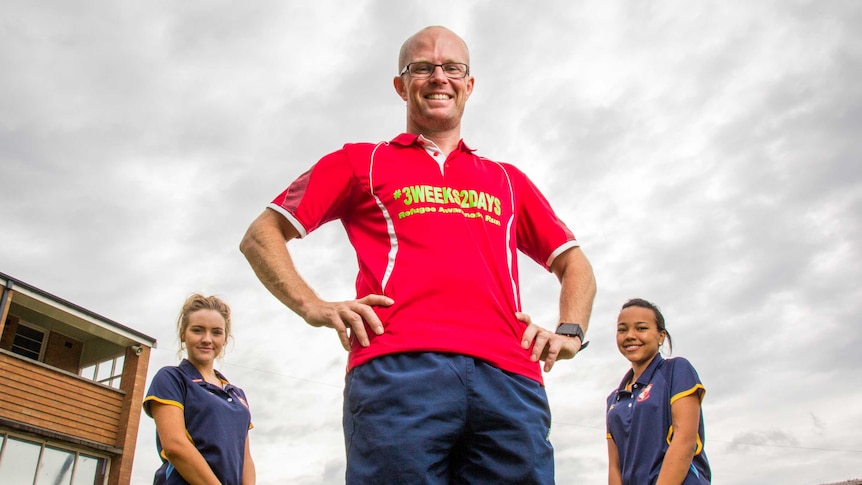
(204, 337)
(638, 336)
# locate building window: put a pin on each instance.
(28, 342)
(28, 462)
(108, 372)
(18, 460)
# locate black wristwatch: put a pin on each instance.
(572, 330)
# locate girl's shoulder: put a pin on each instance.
(168, 373)
(675, 361)
(168, 370)
(182, 372)
(671, 366)
(678, 371)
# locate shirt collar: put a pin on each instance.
(647, 374)
(407, 139)
(190, 370)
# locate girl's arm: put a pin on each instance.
(249, 474)
(685, 416)
(171, 426)
(615, 475)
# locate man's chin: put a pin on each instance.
(439, 120)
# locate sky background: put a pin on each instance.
(706, 155)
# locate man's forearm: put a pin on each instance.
(264, 247)
(577, 287)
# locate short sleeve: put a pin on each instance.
(684, 381)
(319, 195)
(540, 232)
(167, 387)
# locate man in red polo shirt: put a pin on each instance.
(444, 383)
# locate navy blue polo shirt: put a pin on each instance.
(639, 421)
(217, 420)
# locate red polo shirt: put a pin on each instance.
(437, 236)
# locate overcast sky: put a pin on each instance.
(706, 154)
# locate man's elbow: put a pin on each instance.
(248, 242)
(262, 228)
(269, 231)
(592, 277)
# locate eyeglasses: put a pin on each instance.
(424, 70)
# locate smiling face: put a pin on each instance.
(204, 337)
(638, 336)
(435, 104)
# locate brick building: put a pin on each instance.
(71, 386)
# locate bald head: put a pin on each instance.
(435, 102)
(429, 36)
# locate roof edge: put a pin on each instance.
(150, 341)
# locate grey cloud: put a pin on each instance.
(741, 441)
(705, 156)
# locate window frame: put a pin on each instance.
(43, 344)
(103, 460)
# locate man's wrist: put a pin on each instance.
(572, 330)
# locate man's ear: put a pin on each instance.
(400, 88)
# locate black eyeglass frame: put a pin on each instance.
(434, 67)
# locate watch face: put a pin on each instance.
(570, 330)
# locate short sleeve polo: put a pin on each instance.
(440, 237)
(639, 421)
(217, 420)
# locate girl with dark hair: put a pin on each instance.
(654, 418)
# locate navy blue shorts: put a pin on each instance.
(443, 419)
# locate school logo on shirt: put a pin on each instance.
(644, 395)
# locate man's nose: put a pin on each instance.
(441, 75)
